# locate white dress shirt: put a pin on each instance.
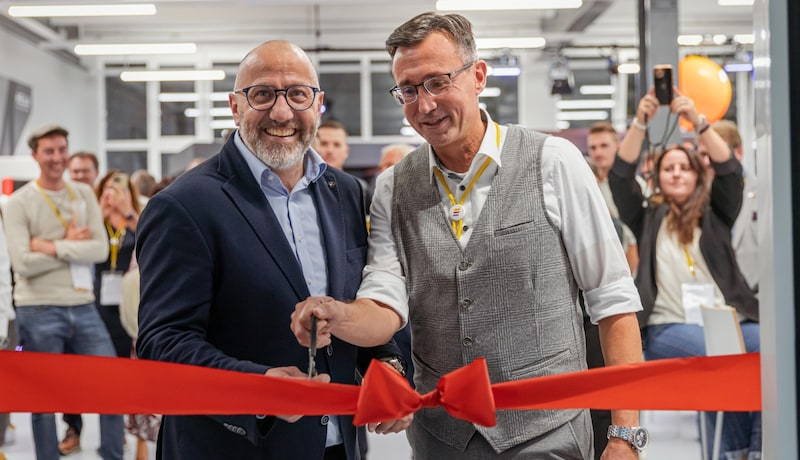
(574, 205)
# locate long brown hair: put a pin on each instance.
(682, 219)
(101, 185)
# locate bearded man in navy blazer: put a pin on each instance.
(228, 249)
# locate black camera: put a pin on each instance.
(662, 80)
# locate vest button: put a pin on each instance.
(324, 420)
(467, 342)
(464, 265)
(466, 303)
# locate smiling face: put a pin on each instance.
(52, 155)
(450, 122)
(677, 178)
(281, 135)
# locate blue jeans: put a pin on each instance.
(78, 330)
(741, 431)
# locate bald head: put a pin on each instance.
(274, 56)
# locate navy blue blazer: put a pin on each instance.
(219, 282)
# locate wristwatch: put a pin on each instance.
(397, 362)
(637, 436)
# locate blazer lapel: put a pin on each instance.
(246, 196)
(327, 198)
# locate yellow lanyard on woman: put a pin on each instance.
(457, 210)
(689, 261)
(53, 206)
(115, 241)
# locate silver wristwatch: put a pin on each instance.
(637, 436)
(397, 363)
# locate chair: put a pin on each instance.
(723, 336)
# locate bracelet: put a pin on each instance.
(703, 129)
(635, 123)
(702, 125)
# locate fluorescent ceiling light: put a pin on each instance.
(719, 39)
(735, 2)
(597, 89)
(172, 75)
(216, 112)
(738, 67)
(583, 115)
(135, 48)
(225, 123)
(503, 71)
(690, 40)
(510, 42)
(744, 39)
(471, 5)
(585, 104)
(490, 91)
(190, 97)
(121, 9)
(628, 68)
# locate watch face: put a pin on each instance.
(640, 438)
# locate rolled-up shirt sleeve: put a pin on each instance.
(575, 205)
(383, 278)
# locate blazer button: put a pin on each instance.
(324, 420)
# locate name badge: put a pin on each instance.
(81, 276)
(693, 296)
(111, 288)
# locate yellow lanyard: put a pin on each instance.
(689, 261)
(115, 241)
(457, 208)
(53, 206)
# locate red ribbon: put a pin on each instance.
(34, 382)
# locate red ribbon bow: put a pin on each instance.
(465, 393)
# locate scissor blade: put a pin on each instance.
(312, 349)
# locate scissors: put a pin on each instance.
(312, 348)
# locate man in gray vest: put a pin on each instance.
(482, 239)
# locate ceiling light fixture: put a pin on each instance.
(735, 2)
(122, 9)
(628, 68)
(135, 48)
(566, 104)
(744, 39)
(597, 89)
(493, 71)
(472, 5)
(190, 97)
(582, 115)
(172, 75)
(690, 40)
(490, 91)
(510, 42)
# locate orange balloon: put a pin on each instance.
(707, 84)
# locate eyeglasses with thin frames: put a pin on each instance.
(262, 97)
(436, 85)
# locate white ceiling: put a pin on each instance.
(356, 25)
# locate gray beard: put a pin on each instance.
(277, 157)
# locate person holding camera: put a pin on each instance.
(685, 253)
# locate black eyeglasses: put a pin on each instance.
(262, 97)
(436, 85)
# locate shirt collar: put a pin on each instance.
(488, 148)
(313, 165)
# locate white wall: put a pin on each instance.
(62, 93)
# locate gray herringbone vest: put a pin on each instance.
(509, 296)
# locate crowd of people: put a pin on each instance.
(487, 241)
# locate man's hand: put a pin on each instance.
(293, 372)
(391, 426)
(321, 307)
(75, 233)
(619, 449)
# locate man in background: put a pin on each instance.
(83, 167)
(331, 144)
(55, 234)
(392, 154)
